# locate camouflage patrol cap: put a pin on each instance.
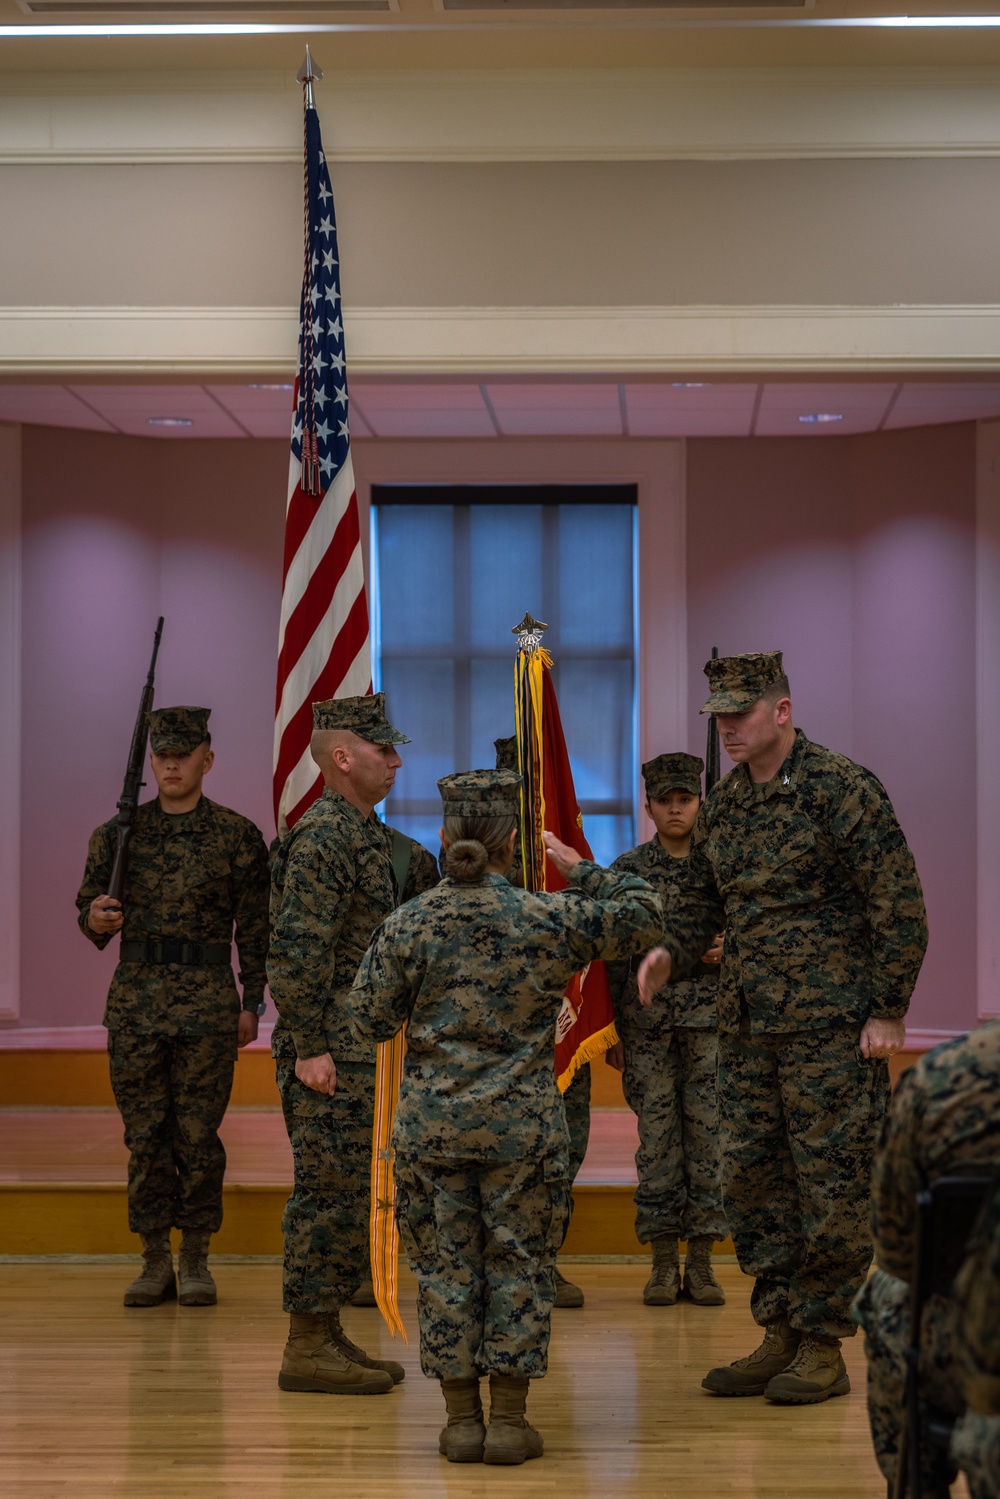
(678, 772)
(177, 729)
(481, 793)
(737, 682)
(364, 716)
(506, 753)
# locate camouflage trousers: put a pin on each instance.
(325, 1222)
(172, 1093)
(800, 1114)
(669, 1084)
(882, 1307)
(975, 1446)
(481, 1238)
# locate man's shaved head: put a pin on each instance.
(323, 742)
(359, 770)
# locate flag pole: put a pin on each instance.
(529, 667)
(308, 74)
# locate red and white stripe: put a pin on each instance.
(323, 644)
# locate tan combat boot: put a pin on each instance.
(155, 1281)
(462, 1439)
(567, 1294)
(196, 1288)
(509, 1438)
(312, 1363)
(664, 1285)
(339, 1339)
(816, 1372)
(750, 1375)
(700, 1285)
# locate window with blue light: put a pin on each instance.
(453, 570)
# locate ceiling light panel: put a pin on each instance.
(129, 408)
(860, 406)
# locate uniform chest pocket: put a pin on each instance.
(786, 845)
(198, 869)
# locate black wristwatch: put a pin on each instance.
(257, 1010)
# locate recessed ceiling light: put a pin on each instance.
(270, 387)
(822, 416)
(169, 421)
(690, 384)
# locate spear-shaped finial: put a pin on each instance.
(307, 75)
(529, 633)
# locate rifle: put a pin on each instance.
(128, 802)
(713, 769)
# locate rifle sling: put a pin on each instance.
(402, 853)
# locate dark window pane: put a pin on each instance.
(505, 557)
(420, 701)
(595, 702)
(595, 575)
(608, 836)
(416, 572)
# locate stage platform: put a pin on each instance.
(182, 1403)
(63, 1164)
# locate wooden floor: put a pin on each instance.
(176, 1403)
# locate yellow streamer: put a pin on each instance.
(383, 1237)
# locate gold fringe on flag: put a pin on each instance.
(383, 1235)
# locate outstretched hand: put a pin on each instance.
(563, 857)
(654, 972)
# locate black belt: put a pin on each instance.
(175, 950)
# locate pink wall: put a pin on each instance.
(116, 531)
(855, 556)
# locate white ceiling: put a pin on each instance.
(396, 409)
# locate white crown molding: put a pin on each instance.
(526, 115)
(221, 341)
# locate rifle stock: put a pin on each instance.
(713, 768)
(128, 802)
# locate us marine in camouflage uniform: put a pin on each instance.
(476, 969)
(671, 1056)
(576, 1099)
(173, 1015)
(975, 1443)
(944, 1120)
(331, 884)
(798, 855)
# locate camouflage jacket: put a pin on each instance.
(331, 885)
(817, 890)
(944, 1119)
(477, 971)
(190, 876)
(686, 1004)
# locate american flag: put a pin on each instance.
(323, 645)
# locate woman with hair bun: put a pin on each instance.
(476, 969)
